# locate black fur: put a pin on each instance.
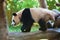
(27, 20)
(27, 27)
(42, 24)
(14, 14)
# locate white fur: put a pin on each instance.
(38, 13)
(12, 21)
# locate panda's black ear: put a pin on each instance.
(14, 14)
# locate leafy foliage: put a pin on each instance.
(16, 5)
(17, 29)
(52, 4)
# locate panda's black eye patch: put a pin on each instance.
(14, 14)
(13, 21)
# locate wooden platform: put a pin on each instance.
(51, 34)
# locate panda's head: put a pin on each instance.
(15, 19)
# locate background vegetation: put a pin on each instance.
(16, 5)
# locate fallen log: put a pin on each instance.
(50, 35)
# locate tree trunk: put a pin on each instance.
(43, 3)
(3, 26)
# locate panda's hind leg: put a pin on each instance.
(42, 24)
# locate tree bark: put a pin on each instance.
(3, 26)
(50, 35)
(43, 3)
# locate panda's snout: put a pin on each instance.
(13, 23)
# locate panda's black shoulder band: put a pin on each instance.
(14, 14)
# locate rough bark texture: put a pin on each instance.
(3, 26)
(50, 35)
(43, 3)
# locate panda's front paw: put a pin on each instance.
(43, 29)
(24, 29)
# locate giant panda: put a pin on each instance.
(28, 16)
